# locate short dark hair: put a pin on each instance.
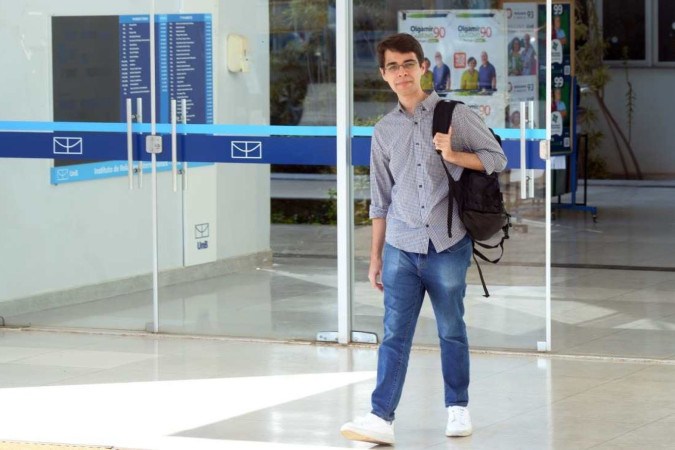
(471, 58)
(399, 43)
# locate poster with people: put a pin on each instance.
(522, 61)
(468, 61)
(561, 110)
(562, 92)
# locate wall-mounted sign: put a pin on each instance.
(101, 61)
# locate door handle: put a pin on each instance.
(174, 162)
(183, 116)
(530, 176)
(139, 119)
(523, 155)
(130, 146)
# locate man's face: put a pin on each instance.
(403, 72)
(483, 58)
(526, 40)
(439, 60)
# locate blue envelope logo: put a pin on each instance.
(246, 149)
(68, 146)
(201, 231)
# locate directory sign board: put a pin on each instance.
(101, 61)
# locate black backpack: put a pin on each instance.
(480, 203)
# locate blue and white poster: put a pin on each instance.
(523, 61)
(467, 44)
(183, 54)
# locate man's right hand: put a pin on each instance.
(375, 274)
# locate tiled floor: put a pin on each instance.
(181, 393)
(163, 392)
(613, 286)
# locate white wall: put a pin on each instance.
(653, 131)
(243, 98)
(54, 238)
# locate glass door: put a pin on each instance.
(255, 146)
(76, 215)
(503, 45)
(235, 231)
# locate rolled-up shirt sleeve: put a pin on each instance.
(381, 181)
(477, 138)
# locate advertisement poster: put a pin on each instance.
(467, 55)
(561, 73)
(522, 61)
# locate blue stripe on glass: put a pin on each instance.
(227, 130)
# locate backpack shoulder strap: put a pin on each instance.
(441, 122)
(443, 116)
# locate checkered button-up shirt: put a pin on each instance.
(408, 184)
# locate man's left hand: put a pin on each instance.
(443, 142)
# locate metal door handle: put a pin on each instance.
(530, 183)
(183, 116)
(523, 156)
(130, 146)
(174, 163)
(139, 119)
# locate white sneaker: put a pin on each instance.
(459, 422)
(369, 428)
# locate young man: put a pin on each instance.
(409, 207)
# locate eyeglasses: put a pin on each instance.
(407, 66)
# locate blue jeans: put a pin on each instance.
(406, 277)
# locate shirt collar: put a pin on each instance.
(427, 105)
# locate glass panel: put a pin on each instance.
(613, 277)
(508, 70)
(76, 246)
(259, 209)
(666, 37)
(624, 29)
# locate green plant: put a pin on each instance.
(597, 166)
(331, 208)
(300, 45)
(288, 85)
(304, 211)
(367, 121)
